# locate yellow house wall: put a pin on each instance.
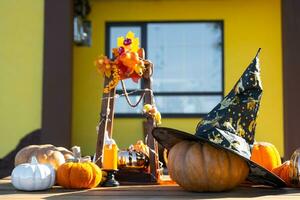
(21, 61)
(248, 25)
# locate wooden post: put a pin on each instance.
(106, 120)
(150, 124)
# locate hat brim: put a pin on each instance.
(168, 137)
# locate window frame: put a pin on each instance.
(143, 41)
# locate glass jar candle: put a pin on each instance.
(110, 157)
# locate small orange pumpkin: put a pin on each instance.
(283, 171)
(79, 175)
(202, 167)
(266, 155)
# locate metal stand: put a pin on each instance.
(110, 181)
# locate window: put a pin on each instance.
(188, 65)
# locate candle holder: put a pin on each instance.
(110, 181)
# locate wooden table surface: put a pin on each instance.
(7, 191)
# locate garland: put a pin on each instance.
(128, 63)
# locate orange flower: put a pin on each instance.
(130, 60)
(103, 65)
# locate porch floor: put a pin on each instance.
(7, 191)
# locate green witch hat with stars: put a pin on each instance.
(230, 125)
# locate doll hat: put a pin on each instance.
(230, 125)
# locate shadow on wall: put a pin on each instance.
(7, 162)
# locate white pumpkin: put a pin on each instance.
(33, 176)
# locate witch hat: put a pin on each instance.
(230, 125)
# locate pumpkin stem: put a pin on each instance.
(76, 152)
(294, 172)
(77, 155)
(34, 161)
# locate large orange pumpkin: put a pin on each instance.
(283, 171)
(79, 175)
(266, 155)
(202, 167)
(46, 154)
